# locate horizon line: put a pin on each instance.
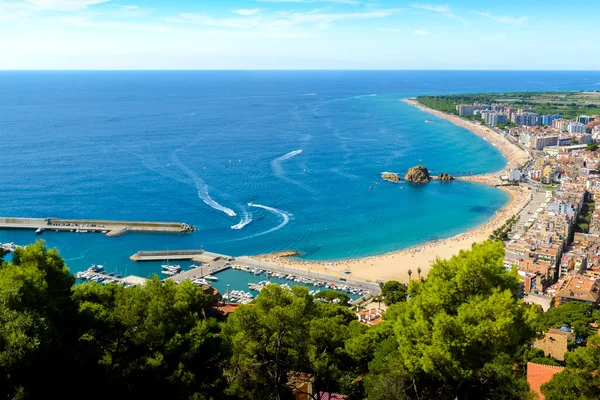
(291, 70)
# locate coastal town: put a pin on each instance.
(555, 246)
(299, 200)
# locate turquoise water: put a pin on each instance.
(238, 280)
(306, 149)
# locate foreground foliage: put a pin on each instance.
(460, 334)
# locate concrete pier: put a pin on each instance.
(174, 255)
(201, 271)
(110, 228)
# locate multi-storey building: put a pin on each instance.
(493, 118)
(561, 124)
(585, 119)
(564, 140)
(465, 109)
(509, 111)
(579, 288)
(539, 142)
(548, 119)
(576, 127)
(525, 118)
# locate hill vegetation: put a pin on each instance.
(569, 104)
(459, 334)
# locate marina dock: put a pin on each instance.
(179, 255)
(110, 228)
(200, 272)
(104, 278)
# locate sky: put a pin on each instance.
(299, 34)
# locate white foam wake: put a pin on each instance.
(202, 187)
(246, 219)
(282, 214)
(276, 163)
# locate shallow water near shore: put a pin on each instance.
(257, 161)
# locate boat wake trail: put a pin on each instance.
(285, 216)
(201, 186)
(276, 163)
(246, 219)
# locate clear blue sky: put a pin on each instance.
(299, 34)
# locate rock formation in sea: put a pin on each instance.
(390, 176)
(418, 174)
(445, 177)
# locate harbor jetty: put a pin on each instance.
(110, 228)
(203, 274)
(178, 255)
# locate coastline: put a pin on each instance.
(395, 265)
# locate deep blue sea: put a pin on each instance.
(305, 149)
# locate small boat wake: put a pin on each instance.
(246, 219)
(284, 215)
(276, 163)
(365, 95)
(276, 166)
(201, 186)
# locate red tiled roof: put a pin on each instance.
(538, 374)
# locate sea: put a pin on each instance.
(257, 161)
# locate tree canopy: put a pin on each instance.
(575, 315)
(393, 292)
(460, 334)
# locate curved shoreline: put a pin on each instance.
(395, 265)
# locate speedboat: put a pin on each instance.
(211, 278)
(96, 268)
(175, 268)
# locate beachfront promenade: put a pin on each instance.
(110, 228)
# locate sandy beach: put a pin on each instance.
(396, 265)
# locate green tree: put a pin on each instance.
(36, 319)
(284, 331)
(575, 314)
(393, 292)
(571, 385)
(592, 147)
(148, 341)
(459, 335)
(331, 296)
(268, 339)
